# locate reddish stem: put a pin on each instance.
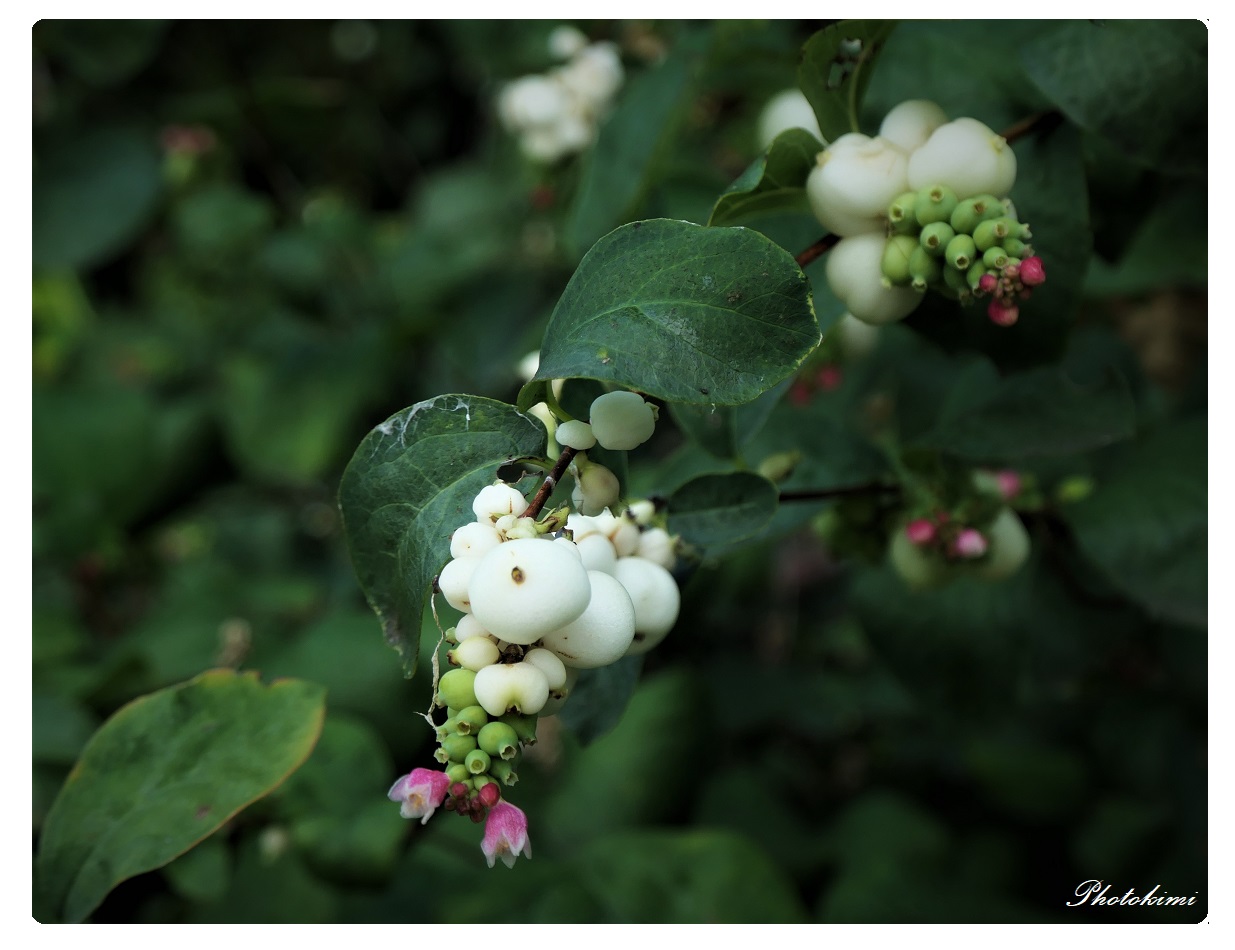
(817, 250)
(550, 482)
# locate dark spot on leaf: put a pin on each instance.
(734, 296)
(202, 812)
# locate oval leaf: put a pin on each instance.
(774, 183)
(682, 312)
(836, 69)
(410, 485)
(717, 509)
(166, 771)
(1039, 413)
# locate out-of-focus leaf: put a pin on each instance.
(622, 164)
(1140, 83)
(1033, 414)
(202, 874)
(61, 728)
(682, 312)
(165, 772)
(408, 487)
(600, 697)
(774, 183)
(92, 193)
(718, 509)
(836, 67)
(1146, 524)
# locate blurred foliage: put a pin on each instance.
(255, 241)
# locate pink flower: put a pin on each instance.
(420, 792)
(506, 835)
(1032, 272)
(920, 532)
(1009, 483)
(1003, 313)
(969, 543)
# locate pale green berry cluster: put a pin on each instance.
(918, 207)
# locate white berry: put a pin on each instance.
(855, 276)
(522, 589)
(656, 599)
(603, 632)
(453, 581)
(475, 653)
(911, 123)
(622, 420)
(576, 434)
(853, 183)
(474, 539)
(494, 501)
(511, 687)
(967, 157)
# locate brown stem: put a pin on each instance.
(818, 249)
(550, 482)
(1031, 123)
(821, 494)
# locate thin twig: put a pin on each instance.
(550, 482)
(818, 249)
(1019, 130)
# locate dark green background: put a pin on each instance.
(255, 241)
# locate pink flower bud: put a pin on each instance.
(828, 377)
(1003, 313)
(987, 283)
(969, 543)
(1032, 272)
(1009, 483)
(920, 532)
(420, 793)
(489, 795)
(506, 835)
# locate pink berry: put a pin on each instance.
(1002, 312)
(1032, 272)
(969, 543)
(921, 532)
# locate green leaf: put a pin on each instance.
(600, 697)
(1142, 84)
(718, 509)
(623, 164)
(1146, 523)
(682, 312)
(775, 182)
(836, 69)
(92, 194)
(408, 487)
(165, 772)
(1031, 414)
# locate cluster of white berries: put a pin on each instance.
(557, 113)
(857, 179)
(541, 603)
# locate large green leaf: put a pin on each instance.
(718, 509)
(1037, 413)
(775, 182)
(682, 312)
(624, 163)
(410, 485)
(166, 771)
(836, 69)
(1146, 524)
(1139, 83)
(92, 193)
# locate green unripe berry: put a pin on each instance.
(469, 721)
(960, 252)
(935, 238)
(524, 727)
(995, 258)
(1017, 248)
(455, 748)
(504, 772)
(991, 232)
(975, 273)
(901, 215)
(456, 689)
(934, 203)
(499, 739)
(924, 269)
(973, 211)
(956, 280)
(477, 762)
(457, 772)
(895, 261)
